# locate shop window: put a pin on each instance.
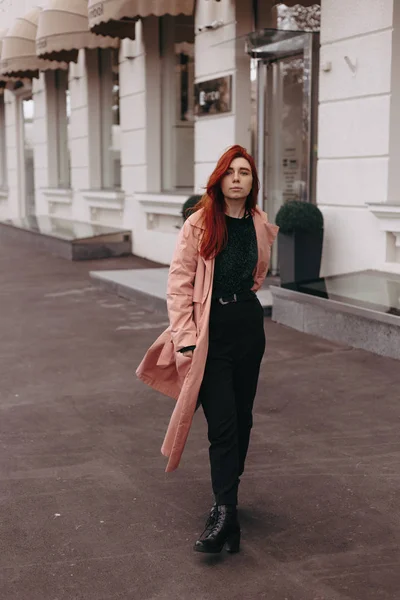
(28, 173)
(3, 152)
(63, 108)
(58, 118)
(110, 119)
(177, 45)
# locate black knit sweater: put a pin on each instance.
(234, 266)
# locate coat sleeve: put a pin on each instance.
(180, 289)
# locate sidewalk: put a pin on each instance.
(150, 286)
(87, 510)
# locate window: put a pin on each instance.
(110, 119)
(28, 108)
(58, 115)
(3, 152)
(177, 103)
(63, 113)
(102, 66)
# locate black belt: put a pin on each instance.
(239, 297)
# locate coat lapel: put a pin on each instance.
(262, 246)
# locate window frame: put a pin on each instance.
(3, 145)
(107, 66)
(170, 51)
(57, 86)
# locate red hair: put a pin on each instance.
(215, 234)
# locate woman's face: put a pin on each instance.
(238, 180)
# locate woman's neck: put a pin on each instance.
(236, 208)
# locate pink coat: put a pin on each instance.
(189, 302)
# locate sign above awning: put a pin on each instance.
(117, 17)
(63, 30)
(18, 54)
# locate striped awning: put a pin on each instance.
(117, 17)
(63, 30)
(18, 54)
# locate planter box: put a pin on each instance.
(300, 256)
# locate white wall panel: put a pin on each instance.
(213, 136)
(352, 182)
(353, 241)
(79, 153)
(132, 76)
(372, 54)
(134, 179)
(133, 146)
(133, 111)
(79, 125)
(348, 18)
(215, 51)
(354, 128)
(202, 173)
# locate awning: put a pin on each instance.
(3, 80)
(63, 30)
(18, 55)
(117, 17)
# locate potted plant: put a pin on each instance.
(188, 206)
(300, 241)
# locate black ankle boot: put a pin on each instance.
(224, 532)
(213, 515)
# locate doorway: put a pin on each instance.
(285, 101)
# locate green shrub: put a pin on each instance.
(188, 206)
(299, 216)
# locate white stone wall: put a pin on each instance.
(354, 124)
(219, 54)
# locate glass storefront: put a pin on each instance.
(285, 80)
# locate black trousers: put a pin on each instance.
(236, 348)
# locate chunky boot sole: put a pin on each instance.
(232, 545)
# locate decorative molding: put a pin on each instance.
(162, 204)
(105, 199)
(388, 216)
(58, 195)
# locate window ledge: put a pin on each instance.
(59, 195)
(113, 199)
(388, 216)
(162, 203)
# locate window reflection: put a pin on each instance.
(115, 87)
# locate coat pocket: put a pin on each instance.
(183, 364)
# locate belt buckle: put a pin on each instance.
(222, 301)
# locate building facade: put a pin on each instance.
(119, 127)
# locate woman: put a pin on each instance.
(210, 354)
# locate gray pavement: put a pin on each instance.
(151, 285)
(87, 511)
